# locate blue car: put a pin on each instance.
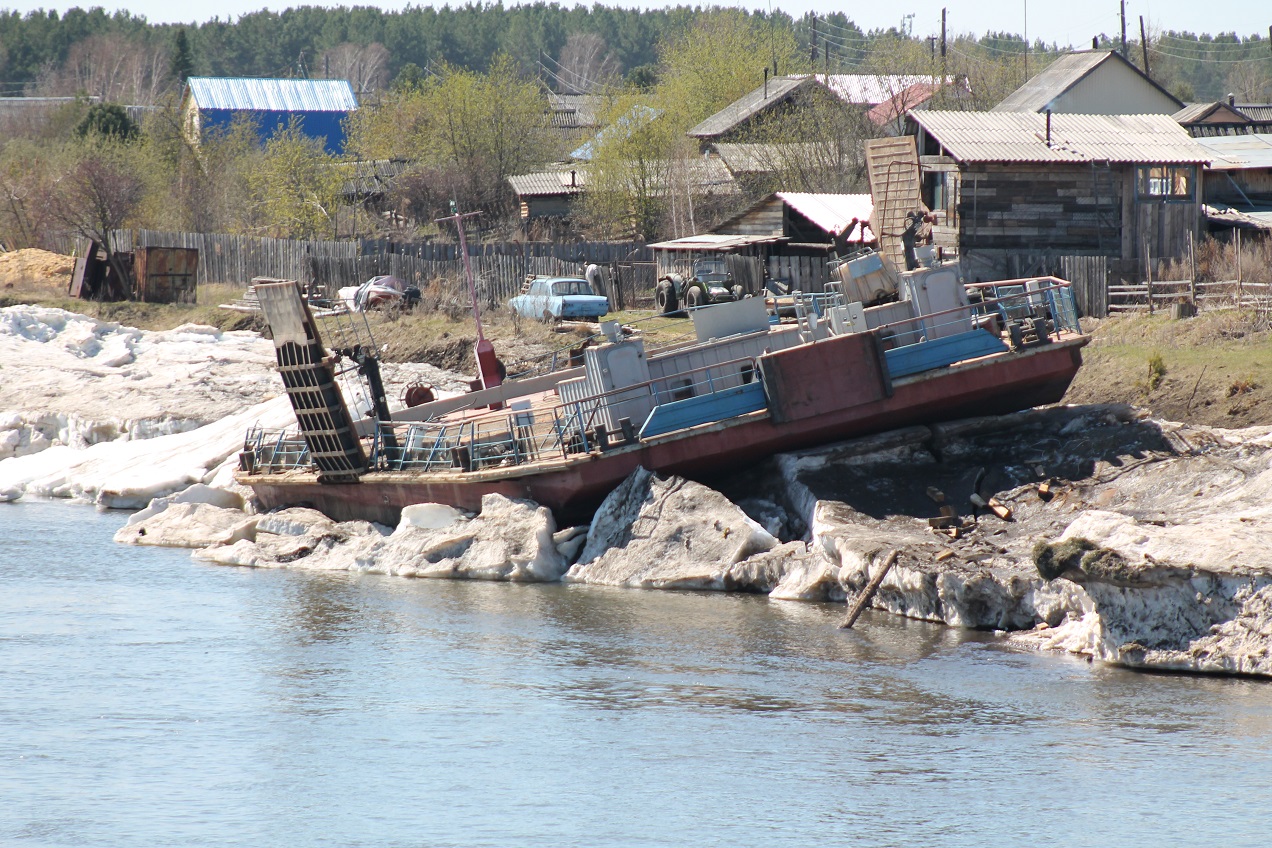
(556, 298)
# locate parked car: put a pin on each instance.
(555, 298)
(379, 292)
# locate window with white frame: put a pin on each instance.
(1164, 182)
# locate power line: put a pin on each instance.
(1208, 60)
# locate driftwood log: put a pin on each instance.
(867, 593)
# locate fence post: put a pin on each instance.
(1238, 269)
(1148, 272)
(1192, 263)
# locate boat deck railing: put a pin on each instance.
(523, 434)
(273, 450)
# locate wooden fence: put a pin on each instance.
(500, 268)
(1088, 274)
(1151, 296)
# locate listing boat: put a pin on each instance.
(745, 388)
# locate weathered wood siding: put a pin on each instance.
(1052, 207)
(766, 219)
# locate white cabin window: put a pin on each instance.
(1164, 182)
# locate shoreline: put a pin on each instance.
(1190, 592)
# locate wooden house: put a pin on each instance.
(1091, 82)
(318, 107)
(737, 121)
(1238, 181)
(548, 194)
(788, 236)
(1004, 184)
(881, 98)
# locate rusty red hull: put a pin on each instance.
(573, 488)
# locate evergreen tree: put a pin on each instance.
(182, 58)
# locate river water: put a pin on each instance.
(147, 699)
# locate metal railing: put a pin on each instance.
(516, 436)
(271, 450)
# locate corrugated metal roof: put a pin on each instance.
(1195, 112)
(272, 95)
(548, 183)
(764, 158)
(902, 102)
(873, 89)
(1021, 137)
(370, 177)
(1238, 152)
(1257, 112)
(748, 105)
(635, 118)
(831, 212)
(574, 110)
(1053, 80)
(714, 241)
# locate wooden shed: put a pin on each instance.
(1127, 187)
(790, 236)
(166, 274)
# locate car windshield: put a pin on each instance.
(711, 270)
(571, 287)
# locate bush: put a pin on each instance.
(1156, 370)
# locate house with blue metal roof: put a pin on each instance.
(318, 106)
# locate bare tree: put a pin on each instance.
(112, 67)
(586, 64)
(97, 196)
(365, 66)
(1250, 82)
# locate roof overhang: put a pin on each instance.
(715, 242)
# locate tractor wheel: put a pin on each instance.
(665, 296)
(695, 297)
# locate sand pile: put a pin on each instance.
(34, 267)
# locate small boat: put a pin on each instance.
(745, 388)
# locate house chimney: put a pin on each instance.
(573, 175)
(766, 82)
(1048, 127)
(1232, 99)
(1095, 42)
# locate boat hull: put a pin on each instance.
(573, 487)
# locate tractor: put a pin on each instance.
(708, 282)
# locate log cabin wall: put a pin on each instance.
(991, 211)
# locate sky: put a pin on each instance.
(1064, 22)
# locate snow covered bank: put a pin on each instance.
(128, 474)
(78, 381)
(116, 415)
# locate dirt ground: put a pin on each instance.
(35, 272)
(1214, 369)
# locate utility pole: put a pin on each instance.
(487, 364)
(1027, 39)
(1123, 5)
(812, 38)
(942, 46)
(1144, 46)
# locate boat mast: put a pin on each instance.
(487, 364)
